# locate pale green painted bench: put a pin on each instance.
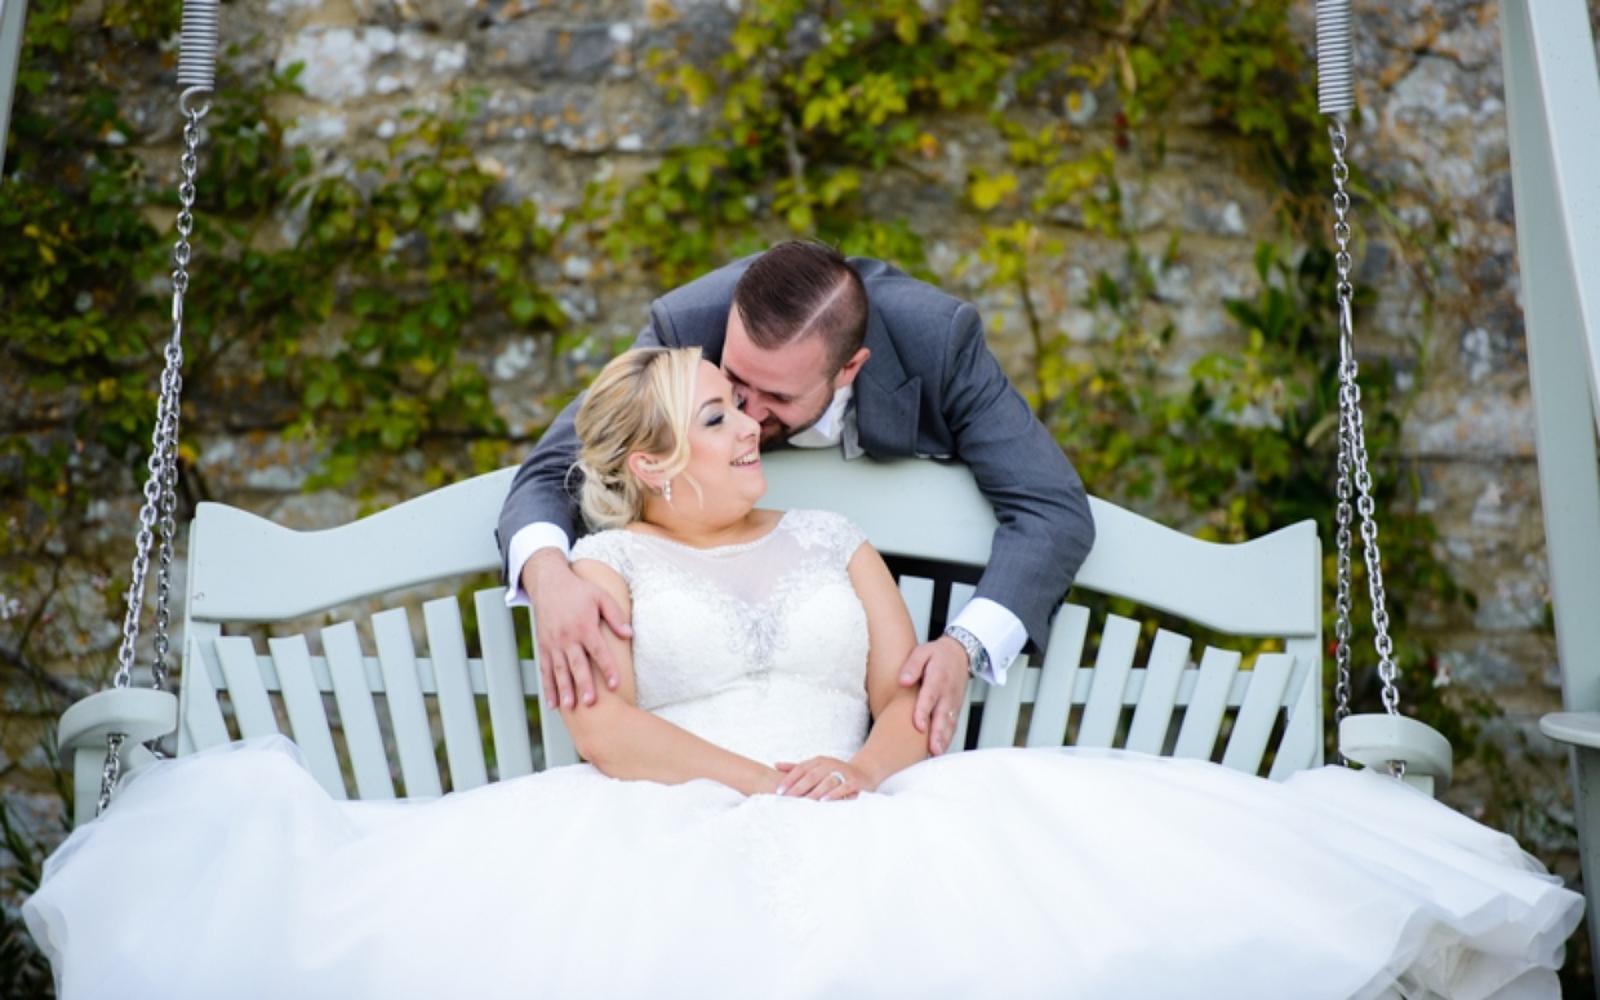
(397, 710)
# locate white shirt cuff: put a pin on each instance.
(1002, 633)
(527, 541)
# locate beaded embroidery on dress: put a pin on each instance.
(761, 647)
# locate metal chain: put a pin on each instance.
(159, 510)
(160, 499)
(1352, 466)
(111, 770)
(1336, 95)
(172, 389)
(1343, 295)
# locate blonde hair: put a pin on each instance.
(641, 401)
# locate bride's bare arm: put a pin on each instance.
(894, 742)
(624, 741)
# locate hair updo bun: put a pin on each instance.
(641, 401)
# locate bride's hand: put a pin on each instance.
(766, 783)
(827, 779)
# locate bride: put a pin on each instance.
(757, 817)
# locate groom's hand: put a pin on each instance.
(567, 612)
(941, 666)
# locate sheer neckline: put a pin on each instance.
(729, 549)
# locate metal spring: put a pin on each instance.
(197, 53)
(1336, 91)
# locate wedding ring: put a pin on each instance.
(839, 776)
(952, 716)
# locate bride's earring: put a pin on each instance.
(666, 491)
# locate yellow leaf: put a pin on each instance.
(1130, 80)
(987, 192)
(697, 86)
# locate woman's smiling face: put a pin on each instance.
(724, 453)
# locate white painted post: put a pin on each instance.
(1553, 117)
(13, 13)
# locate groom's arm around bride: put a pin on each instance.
(853, 354)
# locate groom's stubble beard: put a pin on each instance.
(775, 431)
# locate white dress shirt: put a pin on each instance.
(1001, 632)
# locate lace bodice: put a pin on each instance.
(760, 648)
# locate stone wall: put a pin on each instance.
(568, 102)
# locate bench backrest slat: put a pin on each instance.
(246, 690)
(458, 708)
(1058, 673)
(348, 671)
(408, 716)
(1253, 725)
(1202, 718)
(1301, 744)
(200, 721)
(918, 594)
(308, 717)
(1001, 708)
(1103, 711)
(1153, 715)
(502, 681)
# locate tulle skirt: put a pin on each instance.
(1007, 873)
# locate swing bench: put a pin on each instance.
(464, 714)
(428, 717)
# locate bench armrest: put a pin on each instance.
(1375, 740)
(1578, 729)
(143, 714)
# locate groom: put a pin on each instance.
(853, 354)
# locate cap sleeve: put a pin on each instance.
(835, 533)
(608, 547)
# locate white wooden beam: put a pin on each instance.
(13, 14)
(1553, 119)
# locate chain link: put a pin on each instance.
(159, 510)
(111, 770)
(1354, 478)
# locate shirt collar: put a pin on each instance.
(829, 428)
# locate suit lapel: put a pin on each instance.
(888, 404)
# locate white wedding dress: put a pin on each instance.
(1003, 873)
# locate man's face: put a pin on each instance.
(786, 389)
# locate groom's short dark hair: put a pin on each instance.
(799, 288)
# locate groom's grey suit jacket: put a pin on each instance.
(930, 389)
